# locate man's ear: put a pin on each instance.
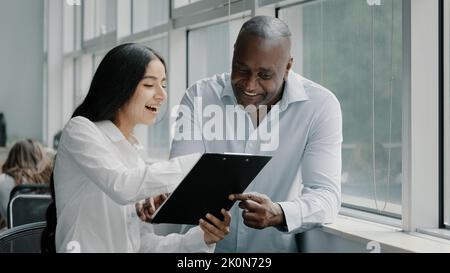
(288, 67)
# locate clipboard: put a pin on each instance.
(205, 189)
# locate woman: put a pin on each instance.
(99, 176)
(27, 163)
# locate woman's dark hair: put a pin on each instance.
(113, 85)
(115, 81)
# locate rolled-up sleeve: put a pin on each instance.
(320, 198)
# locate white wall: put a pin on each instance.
(21, 63)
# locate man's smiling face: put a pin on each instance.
(259, 69)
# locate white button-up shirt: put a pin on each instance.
(304, 173)
(99, 175)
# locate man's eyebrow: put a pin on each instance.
(262, 69)
(265, 70)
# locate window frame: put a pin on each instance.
(348, 208)
(445, 119)
(420, 152)
(202, 26)
(101, 40)
(207, 11)
(163, 25)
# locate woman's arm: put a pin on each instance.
(85, 145)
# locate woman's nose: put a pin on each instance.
(160, 94)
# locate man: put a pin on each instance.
(300, 186)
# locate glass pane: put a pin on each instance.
(98, 57)
(180, 3)
(78, 23)
(447, 114)
(99, 18)
(68, 89)
(149, 13)
(355, 50)
(68, 27)
(210, 49)
(110, 7)
(105, 16)
(88, 20)
(83, 77)
(158, 134)
(77, 83)
(123, 18)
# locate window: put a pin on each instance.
(355, 50)
(159, 134)
(447, 113)
(83, 77)
(99, 18)
(68, 27)
(210, 49)
(98, 57)
(123, 18)
(148, 14)
(68, 94)
(71, 28)
(181, 3)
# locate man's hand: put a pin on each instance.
(146, 210)
(259, 211)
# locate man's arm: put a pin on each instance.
(320, 199)
(321, 172)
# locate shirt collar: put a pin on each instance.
(113, 133)
(227, 89)
(293, 90)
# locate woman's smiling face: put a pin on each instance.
(144, 105)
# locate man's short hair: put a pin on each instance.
(265, 27)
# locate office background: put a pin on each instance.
(387, 62)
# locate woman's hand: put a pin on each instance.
(146, 210)
(218, 229)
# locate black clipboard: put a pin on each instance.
(206, 188)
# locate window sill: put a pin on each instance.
(441, 233)
(391, 239)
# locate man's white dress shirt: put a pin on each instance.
(304, 173)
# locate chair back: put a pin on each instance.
(22, 239)
(29, 188)
(27, 208)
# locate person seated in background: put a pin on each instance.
(27, 163)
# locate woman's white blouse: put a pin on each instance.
(99, 176)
